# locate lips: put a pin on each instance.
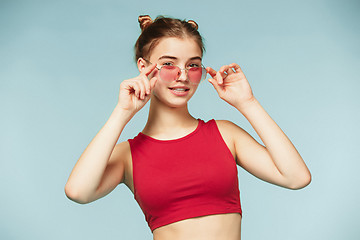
(180, 88)
(179, 91)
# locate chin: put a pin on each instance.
(174, 103)
(177, 104)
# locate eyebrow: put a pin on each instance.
(175, 58)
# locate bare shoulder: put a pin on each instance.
(228, 128)
(237, 134)
(237, 139)
(225, 123)
(230, 132)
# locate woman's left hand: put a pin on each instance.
(231, 85)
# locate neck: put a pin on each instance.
(163, 118)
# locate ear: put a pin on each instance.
(141, 64)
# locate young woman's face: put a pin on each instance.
(183, 53)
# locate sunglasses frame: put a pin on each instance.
(186, 70)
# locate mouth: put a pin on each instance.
(178, 89)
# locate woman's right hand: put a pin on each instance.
(136, 92)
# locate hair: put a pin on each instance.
(153, 31)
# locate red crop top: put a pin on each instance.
(192, 176)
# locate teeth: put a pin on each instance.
(179, 89)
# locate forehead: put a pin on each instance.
(183, 49)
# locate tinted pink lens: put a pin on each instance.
(170, 73)
(195, 74)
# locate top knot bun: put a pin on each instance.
(193, 24)
(145, 21)
(152, 31)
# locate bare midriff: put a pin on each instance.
(210, 227)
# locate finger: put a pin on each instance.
(152, 83)
(230, 71)
(219, 78)
(224, 71)
(149, 69)
(146, 83)
(236, 67)
(215, 84)
(138, 91)
(142, 90)
(152, 74)
(211, 71)
(134, 87)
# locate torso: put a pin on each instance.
(210, 227)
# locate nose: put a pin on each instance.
(183, 75)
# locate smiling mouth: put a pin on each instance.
(180, 89)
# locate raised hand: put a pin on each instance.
(136, 92)
(231, 84)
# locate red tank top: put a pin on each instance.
(192, 176)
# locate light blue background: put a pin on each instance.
(61, 64)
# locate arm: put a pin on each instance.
(100, 167)
(278, 162)
(86, 181)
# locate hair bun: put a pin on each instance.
(193, 24)
(145, 21)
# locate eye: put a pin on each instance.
(193, 65)
(167, 64)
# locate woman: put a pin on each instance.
(182, 170)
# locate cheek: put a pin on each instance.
(160, 86)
